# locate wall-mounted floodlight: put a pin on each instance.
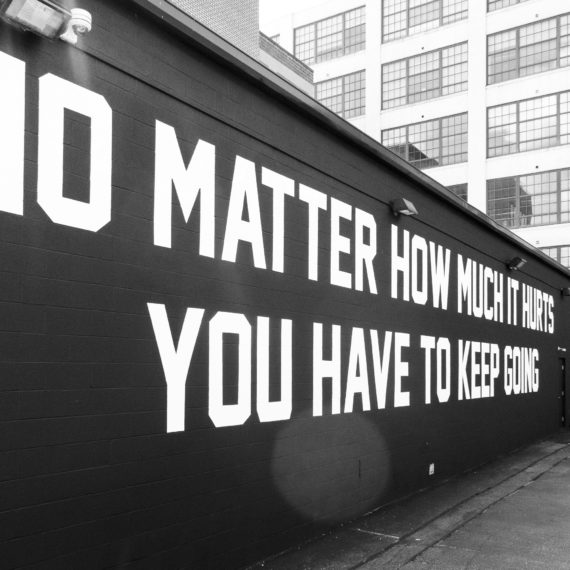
(565, 291)
(47, 18)
(44, 17)
(403, 207)
(516, 263)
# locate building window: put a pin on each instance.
(401, 18)
(425, 76)
(493, 5)
(529, 49)
(459, 190)
(345, 95)
(339, 35)
(528, 125)
(560, 253)
(430, 143)
(531, 200)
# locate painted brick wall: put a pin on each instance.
(89, 477)
(235, 20)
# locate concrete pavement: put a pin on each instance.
(511, 514)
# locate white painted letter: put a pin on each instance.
(443, 389)
(56, 95)
(401, 398)
(339, 244)
(463, 283)
(400, 263)
(199, 177)
(428, 344)
(282, 186)
(280, 410)
(357, 377)
(419, 252)
(381, 366)
(325, 369)
(12, 128)
(244, 192)
(229, 414)
(316, 201)
(439, 274)
(364, 254)
(175, 361)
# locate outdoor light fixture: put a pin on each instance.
(516, 263)
(565, 291)
(47, 18)
(43, 17)
(403, 207)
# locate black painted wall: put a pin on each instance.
(89, 478)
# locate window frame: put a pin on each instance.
(513, 3)
(517, 49)
(344, 92)
(440, 139)
(345, 50)
(516, 223)
(558, 249)
(517, 124)
(406, 31)
(440, 71)
(460, 190)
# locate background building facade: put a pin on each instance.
(237, 21)
(475, 93)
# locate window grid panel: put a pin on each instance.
(355, 94)
(430, 143)
(332, 37)
(304, 40)
(460, 190)
(530, 200)
(565, 196)
(425, 76)
(538, 197)
(564, 40)
(565, 118)
(493, 5)
(541, 122)
(454, 139)
(529, 49)
(502, 201)
(454, 10)
(424, 148)
(401, 18)
(563, 255)
(551, 252)
(560, 253)
(424, 16)
(395, 140)
(344, 95)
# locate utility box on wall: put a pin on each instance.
(219, 336)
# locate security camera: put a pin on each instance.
(80, 21)
(79, 24)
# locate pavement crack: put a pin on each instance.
(377, 533)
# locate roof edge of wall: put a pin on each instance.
(208, 41)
